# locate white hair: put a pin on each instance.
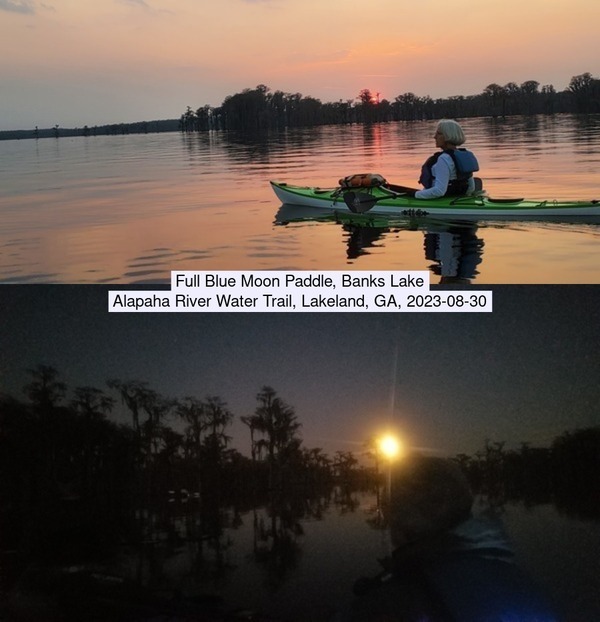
(451, 131)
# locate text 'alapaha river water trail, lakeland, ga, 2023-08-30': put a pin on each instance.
(300, 291)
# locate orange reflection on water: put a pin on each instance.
(131, 209)
(146, 250)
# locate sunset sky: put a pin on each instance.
(77, 62)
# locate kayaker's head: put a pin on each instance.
(429, 496)
(448, 134)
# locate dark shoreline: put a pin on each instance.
(261, 109)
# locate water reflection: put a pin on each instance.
(456, 251)
(251, 147)
(360, 239)
(515, 131)
(373, 139)
(186, 556)
(585, 128)
(276, 543)
(91, 209)
(453, 245)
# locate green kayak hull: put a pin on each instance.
(469, 207)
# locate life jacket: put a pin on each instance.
(464, 161)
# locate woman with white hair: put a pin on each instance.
(448, 172)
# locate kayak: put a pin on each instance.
(386, 201)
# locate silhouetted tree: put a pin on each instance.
(586, 92)
(44, 390)
(252, 421)
(92, 403)
(317, 466)
(133, 394)
(193, 413)
(277, 423)
(218, 418)
(344, 463)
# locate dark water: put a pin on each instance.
(301, 565)
(127, 209)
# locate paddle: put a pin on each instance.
(361, 202)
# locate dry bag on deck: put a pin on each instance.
(362, 180)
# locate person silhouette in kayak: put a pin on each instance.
(447, 565)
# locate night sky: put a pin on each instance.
(525, 373)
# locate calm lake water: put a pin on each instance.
(308, 575)
(342, 545)
(129, 209)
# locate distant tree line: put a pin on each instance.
(64, 462)
(58, 454)
(113, 129)
(261, 109)
(567, 473)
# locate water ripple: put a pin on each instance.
(128, 208)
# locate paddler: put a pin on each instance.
(447, 565)
(448, 172)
